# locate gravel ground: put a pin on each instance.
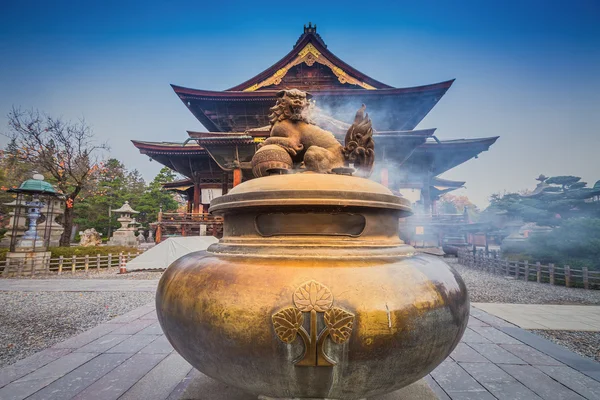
(33, 321)
(105, 273)
(485, 287)
(586, 344)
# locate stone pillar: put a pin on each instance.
(21, 224)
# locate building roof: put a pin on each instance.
(336, 87)
(440, 186)
(174, 148)
(309, 49)
(440, 156)
(125, 208)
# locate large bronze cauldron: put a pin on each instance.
(310, 293)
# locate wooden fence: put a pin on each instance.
(533, 272)
(66, 265)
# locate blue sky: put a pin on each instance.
(525, 70)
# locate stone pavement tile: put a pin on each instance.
(496, 354)
(80, 378)
(530, 355)
(581, 364)
(457, 383)
(133, 314)
(153, 329)
(133, 344)
(103, 343)
(181, 387)
(86, 337)
(540, 383)
(201, 387)
(576, 381)
(527, 323)
(562, 323)
(470, 336)
(158, 346)
(151, 316)
(498, 382)
(488, 318)
(463, 353)
(437, 389)
(161, 380)
(119, 380)
(476, 322)
(133, 327)
(495, 336)
(42, 377)
(30, 364)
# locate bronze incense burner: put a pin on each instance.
(311, 294)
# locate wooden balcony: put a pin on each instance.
(187, 224)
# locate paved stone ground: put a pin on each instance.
(546, 317)
(130, 358)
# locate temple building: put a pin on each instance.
(408, 160)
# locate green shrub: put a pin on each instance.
(68, 252)
(576, 242)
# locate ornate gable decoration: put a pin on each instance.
(309, 55)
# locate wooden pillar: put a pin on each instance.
(196, 209)
(225, 182)
(385, 177)
(237, 176)
(158, 235)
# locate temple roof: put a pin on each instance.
(337, 88)
(175, 148)
(310, 49)
(440, 156)
(390, 109)
(440, 186)
(189, 159)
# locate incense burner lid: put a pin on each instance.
(312, 190)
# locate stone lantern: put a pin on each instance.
(125, 235)
(28, 253)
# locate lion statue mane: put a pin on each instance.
(296, 142)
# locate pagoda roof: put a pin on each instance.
(180, 185)
(188, 159)
(390, 109)
(336, 87)
(440, 156)
(440, 186)
(174, 148)
(311, 43)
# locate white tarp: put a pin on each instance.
(163, 254)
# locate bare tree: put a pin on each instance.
(65, 150)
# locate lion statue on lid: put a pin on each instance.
(296, 142)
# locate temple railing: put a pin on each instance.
(560, 275)
(170, 224)
(184, 217)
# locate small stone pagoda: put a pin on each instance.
(125, 235)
